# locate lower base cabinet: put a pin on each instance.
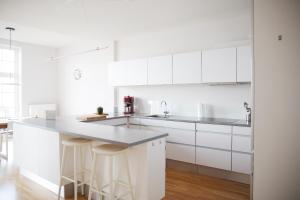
(213, 158)
(241, 162)
(180, 152)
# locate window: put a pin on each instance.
(9, 83)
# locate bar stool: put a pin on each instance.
(4, 133)
(78, 145)
(111, 151)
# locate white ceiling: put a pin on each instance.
(59, 22)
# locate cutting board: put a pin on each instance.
(92, 117)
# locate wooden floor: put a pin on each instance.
(179, 186)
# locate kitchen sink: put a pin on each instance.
(158, 116)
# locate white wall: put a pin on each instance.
(77, 97)
(196, 35)
(227, 101)
(38, 74)
(277, 97)
(222, 101)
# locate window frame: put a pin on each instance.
(17, 82)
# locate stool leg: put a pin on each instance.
(111, 194)
(6, 134)
(92, 175)
(82, 170)
(75, 173)
(1, 142)
(61, 170)
(128, 175)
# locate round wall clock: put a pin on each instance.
(77, 74)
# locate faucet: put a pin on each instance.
(248, 109)
(166, 112)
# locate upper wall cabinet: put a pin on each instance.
(133, 72)
(244, 64)
(219, 65)
(187, 68)
(160, 70)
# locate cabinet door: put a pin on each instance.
(213, 158)
(241, 143)
(181, 152)
(181, 136)
(136, 72)
(219, 65)
(241, 163)
(244, 64)
(237, 130)
(160, 70)
(157, 168)
(214, 140)
(187, 68)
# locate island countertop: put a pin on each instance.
(106, 133)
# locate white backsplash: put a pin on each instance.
(224, 101)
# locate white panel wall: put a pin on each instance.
(276, 131)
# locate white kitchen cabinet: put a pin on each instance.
(238, 130)
(131, 72)
(187, 68)
(241, 163)
(160, 70)
(219, 65)
(137, 72)
(213, 128)
(214, 140)
(180, 136)
(181, 152)
(168, 124)
(213, 158)
(241, 143)
(156, 160)
(244, 64)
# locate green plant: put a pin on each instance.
(100, 110)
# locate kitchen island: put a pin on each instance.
(38, 149)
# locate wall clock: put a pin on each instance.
(77, 74)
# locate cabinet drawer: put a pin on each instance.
(168, 124)
(241, 163)
(213, 128)
(215, 140)
(213, 158)
(180, 125)
(237, 130)
(181, 136)
(241, 143)
(181, 152)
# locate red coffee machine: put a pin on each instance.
(128, 105)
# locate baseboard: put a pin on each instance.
(41, 181)
(209, 171)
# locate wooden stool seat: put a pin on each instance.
(109, 149)
(76, 142)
